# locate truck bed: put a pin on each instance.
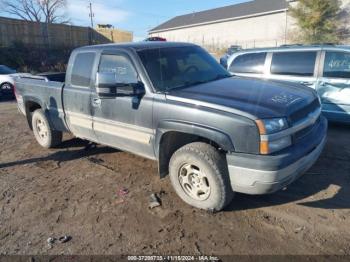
(54, 76)
(46, 93)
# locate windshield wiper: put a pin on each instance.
(194, 83)
(218, 77)
(188, 84)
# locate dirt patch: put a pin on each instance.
(73, 190)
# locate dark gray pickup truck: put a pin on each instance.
(213, 133)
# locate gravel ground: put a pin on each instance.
(76, 190)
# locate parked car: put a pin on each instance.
(230, 51)
(6, 81)
(325, 68)
(155, 38)
(213, 133)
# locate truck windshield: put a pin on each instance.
(180, 67)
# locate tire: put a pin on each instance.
(6, 89)
(199, 175)
(44, 134)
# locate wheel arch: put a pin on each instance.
(31, 104)
(172, 135)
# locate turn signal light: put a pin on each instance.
(264, 147)
(261, 127)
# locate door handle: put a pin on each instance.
(96, 102)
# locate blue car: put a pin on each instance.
(230, 51)
(325, 68)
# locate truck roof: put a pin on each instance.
(137, 45)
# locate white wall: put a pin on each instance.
(345, 2)
(267, 30)
(260, 31)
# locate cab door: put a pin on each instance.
(334, 85)
(123, 121)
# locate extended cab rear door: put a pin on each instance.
(77, 94)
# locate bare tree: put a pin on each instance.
(53, 11)
(48, 11)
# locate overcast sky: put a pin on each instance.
(137, 15)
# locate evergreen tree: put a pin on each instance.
(318, 20)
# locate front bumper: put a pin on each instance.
(268, 174)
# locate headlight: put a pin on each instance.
(276, 145)
(271, 126)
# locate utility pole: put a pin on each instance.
(91, 15)
(286, 28)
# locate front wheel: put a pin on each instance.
(44, 134)
(199, 175)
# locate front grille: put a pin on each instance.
(304, 112)
(306, 131)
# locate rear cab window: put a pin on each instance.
(253, 63)
(294, 63)
(82, 69)
(337, 65)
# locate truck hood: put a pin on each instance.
(257, 99)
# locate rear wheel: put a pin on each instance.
(44, 134)
(199, 175)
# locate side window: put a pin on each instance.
(337, 65)
(82, 69)
(121, 66)
(294, 63)
(249, 63)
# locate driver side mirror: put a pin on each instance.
(107, 86)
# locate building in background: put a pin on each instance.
(258, 23)
(114, 34)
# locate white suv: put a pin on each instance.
(325, 68)
(6, 81)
